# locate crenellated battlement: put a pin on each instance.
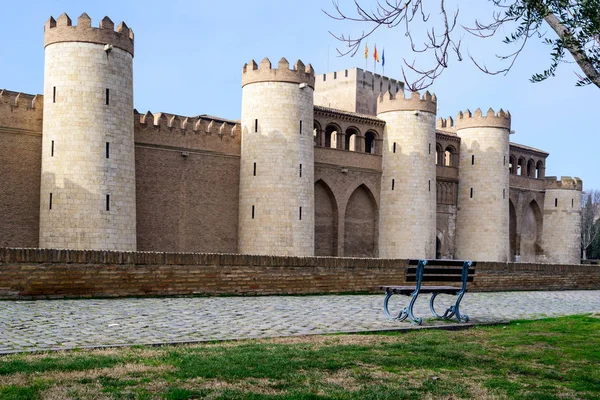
(388, 102)
(24, 100)
(21, 111)
(254, 73)
(564, 183)
(445, 124)
(201, 132)
(478, 120)
(62, 30)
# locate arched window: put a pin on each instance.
(370, 142)
(317, 133)
(512, 167)
(521, 167)
(439, 152)
(351, 135)
(331, 135)
(450, 157)
(539, 170)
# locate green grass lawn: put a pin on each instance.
(546, 359)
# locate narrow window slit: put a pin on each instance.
(252, 212)
(107, 96)
(393, 183)
(555, 202)
(429, 148)
(394, 147)
(254, 172)
(108, 202)
(572, 203)
(50, 201)
(430, 186)
(301, 127)
(300, 170)
(471, 192)
(107, 150)
(300, 214)
(256, 125)
(473, 160)
(52, 149)
(54, 94)
(504, 193)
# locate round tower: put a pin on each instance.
(561, 237)
(482, 220)
(407, 218)
(88, 170)
(277, 160)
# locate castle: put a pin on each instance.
(338, 164)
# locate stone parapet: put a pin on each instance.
(62, 30)
(416, 102)
(565, 183)
(478, 120)
(253, 73)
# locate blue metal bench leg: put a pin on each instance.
(411, 316)
(450, 312)
(401, 315)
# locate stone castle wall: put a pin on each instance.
(20, 155)
(93, 196)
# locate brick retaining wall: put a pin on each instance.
(43, 273)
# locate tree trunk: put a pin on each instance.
(578, 54)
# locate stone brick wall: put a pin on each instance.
(562, 211)
(35, 273)
(75, 169)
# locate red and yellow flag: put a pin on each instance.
(366, 50)
(375, 54)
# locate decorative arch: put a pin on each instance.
(370, 137)
(326, 220)
(361, 224)
(352, 133)
(332, 132)
(531, 232)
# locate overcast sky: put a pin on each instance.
(189, 56)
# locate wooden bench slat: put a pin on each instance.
(440, 271)
(438, 278)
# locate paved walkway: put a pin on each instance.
(64, 324)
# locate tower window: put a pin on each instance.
(472, 160)
(54, 94)
(107, 96)
(301, 127)
(52, 149)
(394, 147)
(430, 185)
(555, 202)
(50, 201)
(335, 75)
(108, 202)
(429, 148)
(346, 73)
(572, 203)
(504, 162)
(300, 213)
(254, 172)
(252, 212)
(471, 192)
(107, 150)
(393, 183)
(300, 170)
(256, 125)
(504, 193)
(324, 77)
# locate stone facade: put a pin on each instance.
(193, 183)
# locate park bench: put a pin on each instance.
(436, 271)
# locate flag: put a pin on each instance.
(383, 58)
(366, 50)
(375, 54)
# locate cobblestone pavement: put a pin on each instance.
(63, 324)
